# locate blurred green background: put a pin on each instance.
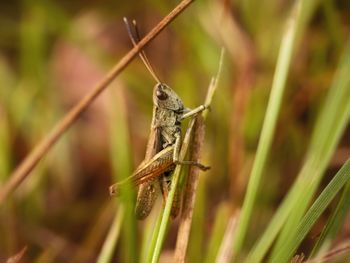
(53, 52)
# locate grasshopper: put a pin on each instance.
(153, 175)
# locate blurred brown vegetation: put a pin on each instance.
(53, 52)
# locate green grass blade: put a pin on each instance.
(268, 128)
(221, 220)
(169, 202)
(334, 223)
(121, 164)
(154, 236)
(5, 151)
(6, 80)
(197, 234)
(328, 129)
(108, 246)
(327, 195)
(176, 175)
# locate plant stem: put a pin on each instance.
(41, 149)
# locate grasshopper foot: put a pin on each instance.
(202, 167)
(199, 165)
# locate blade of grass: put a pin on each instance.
(218, 230)
(177, 171)
(268, 128)
(190, 192)
(329, 126)
(193, 176)
(110, 242)
(225, 251)
(222, 216)
(7, 80)
(5, 151)
(154, 237)
(168, 205)
(33, 75)
(17, 258)
(341, 249)
(334, 223)
(321, 203)
(96, 234)
(328, 130)
(333, 24)
(197, 239)
(121, 163)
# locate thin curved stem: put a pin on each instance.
(41, 149)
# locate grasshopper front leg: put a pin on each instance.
(191, 112)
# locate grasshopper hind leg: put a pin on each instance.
(146, 197)
(165, 182)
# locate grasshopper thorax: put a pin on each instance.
(164, 97)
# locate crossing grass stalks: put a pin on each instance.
(276, 135)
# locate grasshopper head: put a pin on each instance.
(164, 97)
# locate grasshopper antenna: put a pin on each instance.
(135, 38)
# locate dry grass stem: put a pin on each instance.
(18, 257)
(28, 164)
(190, 194)
(332, 254)
(193, 177)
(225, 252)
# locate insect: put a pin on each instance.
(153, 175)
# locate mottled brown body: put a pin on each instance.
(154, 174)
(165, 128)
(165, 134)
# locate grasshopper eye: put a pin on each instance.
(161, 95)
